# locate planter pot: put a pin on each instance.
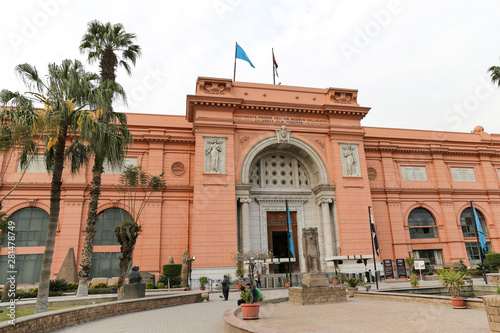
(414, 286)
(250, 311)
(287, 284)
(458, 303)
(238, 286)
(187, 288)
(351, 291)
(263, 271)
(202, 288)
(335, 282)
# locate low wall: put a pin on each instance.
(52, 320)
(236, 325)
(472, 303)
(492, 307)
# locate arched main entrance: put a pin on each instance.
(273, 172)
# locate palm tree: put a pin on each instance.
(495, 74)
(102, 41)
(72, 100)
(137, 187)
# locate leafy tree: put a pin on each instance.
(137, 187)
(72, 100)
(102, 42)
(495, 74)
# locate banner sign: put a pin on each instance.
(388, 269)
(401, 269)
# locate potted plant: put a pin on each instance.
(239, 274)
(453, 281)
(251, 305)
(286, 280)
(414, 281)
(352, 285)
(203, 281)
(335, 280)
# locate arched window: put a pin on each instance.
(31, 226)
(107, 220)
(422, 224)
(468, 223)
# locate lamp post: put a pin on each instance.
(190, 260)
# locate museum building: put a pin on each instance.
(241, 150)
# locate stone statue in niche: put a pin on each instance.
(350, 161)
(310, 246)
(283, 135)
(134, 276)
(214, 151)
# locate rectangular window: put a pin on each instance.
(423, 232)
(434, 257)
(105, 264)
(28, 267)
(117, 169)
(473, 251)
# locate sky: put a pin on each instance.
(416, 64)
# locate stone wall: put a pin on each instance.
(492, 307)
(316, 295)
(50, 321)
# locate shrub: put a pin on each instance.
(475, 272)
(150, 286)
(492, 260)
(174, 282)
(172, 270)
(72, 286)
(58, 285)
(161, 285)
(99, 285)
(99, 291)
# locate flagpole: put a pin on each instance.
(288, 226)
(373, 247)
(473, 219)
(235, 51)
(274, 69)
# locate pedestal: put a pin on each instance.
(315, 280)
(316, 295)
(135, 290)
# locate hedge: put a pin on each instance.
(172, 270)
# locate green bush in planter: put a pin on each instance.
(99, 285)
(161, 285)
(58, 285)
(492, 260)
(72, 286)
(150, 286)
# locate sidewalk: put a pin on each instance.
(357, 315)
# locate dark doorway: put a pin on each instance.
(278, 240)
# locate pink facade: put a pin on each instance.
(245, 148)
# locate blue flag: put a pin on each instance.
(290, 233)
(240, 54)
(482, 239)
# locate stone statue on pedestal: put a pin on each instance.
(310, 246)
(134, 276)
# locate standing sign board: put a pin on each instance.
(420, 265)
(401, 269)
(388, 269)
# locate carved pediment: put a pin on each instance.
(214, 86)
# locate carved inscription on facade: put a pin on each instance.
(280, 120)
(463, 174)
(413, 173)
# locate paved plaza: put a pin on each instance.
(357, 315)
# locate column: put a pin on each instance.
(245, 223)
(327, 228)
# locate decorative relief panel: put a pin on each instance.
(215, 155)
(178, 168)
(320, 143)
(372, 173)
(463, 174)
(340, 96)
(283, 135)
(413, 173)
(350, 159)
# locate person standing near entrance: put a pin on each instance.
(225, 287)
(257, 279)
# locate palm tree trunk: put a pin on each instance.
(88, 245)
(55, 205)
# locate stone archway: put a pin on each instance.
(273, 172)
